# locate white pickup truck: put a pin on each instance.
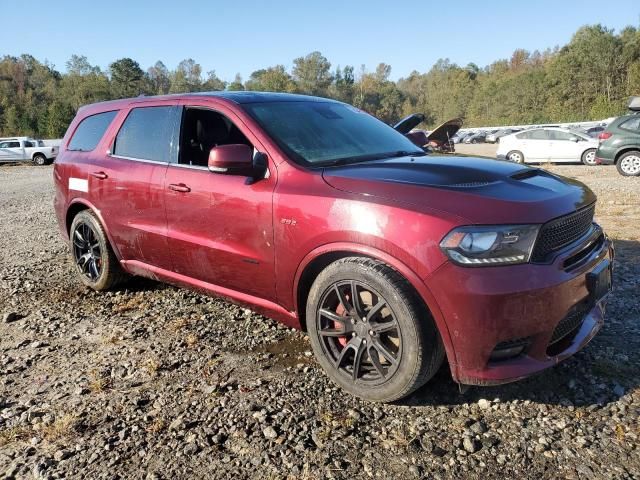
(20, 149)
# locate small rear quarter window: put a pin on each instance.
(631, 124)
(90, 131)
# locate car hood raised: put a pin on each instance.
(477, 189)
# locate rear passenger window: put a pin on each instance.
(90, 131)
(148, 134)
(538, 135)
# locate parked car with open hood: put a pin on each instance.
(619, 144)
(548, 144)
(321, 216)
(439, 139)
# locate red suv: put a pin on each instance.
(316, 214)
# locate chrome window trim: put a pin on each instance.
(193, 167)
(143, 160)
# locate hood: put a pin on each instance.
(445, 131)
(407, 124)
(479, 190)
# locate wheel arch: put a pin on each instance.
(625, 149)
(78, 205)
(323, 256)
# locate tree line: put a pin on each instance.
(590, 78)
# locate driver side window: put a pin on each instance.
(563, 136)
(202, 129)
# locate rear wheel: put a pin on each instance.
(370, 332)
(589, 157)
(515, 156)
(94, 260)
(39, 159)
(629, 164)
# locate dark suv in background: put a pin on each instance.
(620, 143)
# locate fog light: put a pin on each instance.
(509, 349)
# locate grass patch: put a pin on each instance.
(98, 383)
(14, 434)
(61, 427)
(151, 366)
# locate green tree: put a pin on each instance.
(158, 79)
(126, 78)
(236, 84)
(272, 79)
(312, 74)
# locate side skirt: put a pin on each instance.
(260, 305)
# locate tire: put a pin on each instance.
(39, 159)
(589, 157)
(96, 264)
(628, 164)
(515, 156)
(474, 141)
(399, 352)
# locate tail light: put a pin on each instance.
(604, 136)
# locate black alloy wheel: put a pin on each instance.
(359, 332)
(86, 251)
(370, 331)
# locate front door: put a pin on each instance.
(219, 226)
(11, 151)
(564, 146)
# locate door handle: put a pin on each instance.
(99, 175)
(179, 187)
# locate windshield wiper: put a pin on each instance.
(367, 158)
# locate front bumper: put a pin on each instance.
(486, 307)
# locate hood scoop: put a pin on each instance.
(528, 173)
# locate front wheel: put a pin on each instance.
(589, 157)
(629, 164)
(515, 156)
(370, 332)
(96, 264)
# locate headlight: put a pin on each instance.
(476, 246)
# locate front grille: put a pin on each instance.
(562, 231)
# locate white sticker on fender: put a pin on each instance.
(78, 184)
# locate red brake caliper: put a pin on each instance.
(341, 311)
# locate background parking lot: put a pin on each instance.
(170, 384)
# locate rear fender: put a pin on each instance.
(96, 212)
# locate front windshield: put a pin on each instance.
(328, 133)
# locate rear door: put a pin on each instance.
(220, 227)
(564, 146)
(127, 182)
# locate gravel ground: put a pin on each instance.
(154, 382)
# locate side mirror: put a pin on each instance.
(236, 159)
(576, 139)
